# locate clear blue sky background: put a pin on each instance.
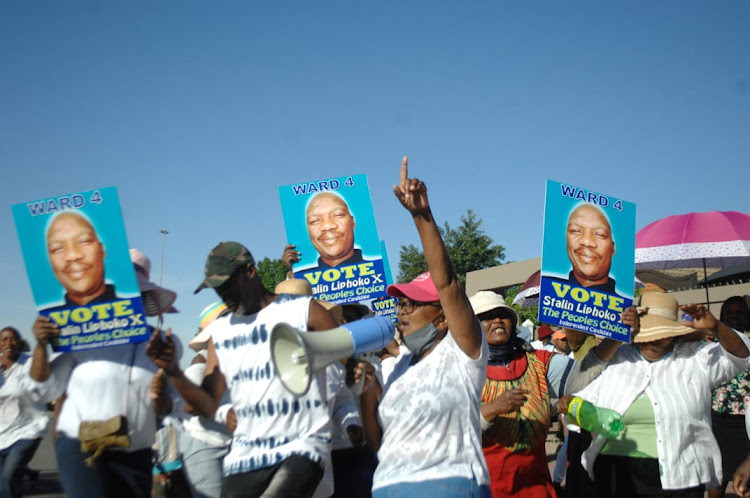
(198, 111)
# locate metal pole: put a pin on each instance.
(163, 233)
(705, 284)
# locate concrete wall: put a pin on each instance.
(501, 277)
(717, 295)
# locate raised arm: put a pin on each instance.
(704, 319)
(466, 330)
(44, 331)
(205, 399)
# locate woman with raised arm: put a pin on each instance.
(424, 422)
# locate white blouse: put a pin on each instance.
(429, 413)
(100, 384)
(679, 387)
(23, 414)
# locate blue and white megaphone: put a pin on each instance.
(298, 356)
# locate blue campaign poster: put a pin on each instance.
(76, 254)
(588, 261)
(385, 306)
(331, 223)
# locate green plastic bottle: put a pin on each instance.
(603, 421)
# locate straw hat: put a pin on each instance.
(156, 300)
(659, 314)
(296, 286)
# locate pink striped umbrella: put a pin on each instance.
(716, 239)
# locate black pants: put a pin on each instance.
(295, 477)
(623, 477)
(352, 472)
(731, 435)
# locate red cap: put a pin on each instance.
(421, 289)
(544, 331)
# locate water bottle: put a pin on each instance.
(603, 421)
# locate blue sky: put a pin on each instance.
(199, 111)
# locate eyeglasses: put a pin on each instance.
(408, 307)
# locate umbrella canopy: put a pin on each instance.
(529, 293)
(717, 239)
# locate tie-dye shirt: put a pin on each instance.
(272, 424)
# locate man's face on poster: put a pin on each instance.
(590, 245)
(330, 226)
(77, 257)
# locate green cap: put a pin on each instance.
(221, 263)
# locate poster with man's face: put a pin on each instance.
(332, 224)
(588, 261)
(77, 258)
(385, 306)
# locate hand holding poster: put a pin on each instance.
(331, 223)
(66, 242)
(587, 282)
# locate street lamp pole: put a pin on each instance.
(163, 233)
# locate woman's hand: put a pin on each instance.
(741, 478)
(411, 192)
(163, 352)
(158, 385)
(231, 420)
(45, 330)
(563, 403)
(510, 401)
(630, 318)
(158, 394)
(365, 370)
(702, 317)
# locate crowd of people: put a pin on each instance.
(459, 404)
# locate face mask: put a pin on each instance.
(423, 339)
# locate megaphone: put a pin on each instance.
(298, 356)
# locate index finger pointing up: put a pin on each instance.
(404, 173)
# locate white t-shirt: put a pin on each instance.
(429, 413)
(100, 384)
(272, 424)
(23, 414)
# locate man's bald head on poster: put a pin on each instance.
(590, 245)
(330, 226)
(77, 256)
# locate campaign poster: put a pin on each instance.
(78, 262)
(385, 306)
(588, 261)
(331, 223)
